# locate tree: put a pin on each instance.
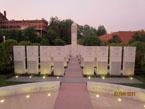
(25, 43)
(12, 34)
(30, 35)
(138, 37)
(65, 30)
(101, 30)
(6, 54)
(1, 39)
(54, 25)
(44, 42)
(50, 36)
(89, 39)
(59, 42)
(115, 39)
(140, 57)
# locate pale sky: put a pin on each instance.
(115, 15)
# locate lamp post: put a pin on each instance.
(4, 38)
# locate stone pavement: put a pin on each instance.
(74, 79)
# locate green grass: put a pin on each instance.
(137, 85)
(141, 78)
(3, 81)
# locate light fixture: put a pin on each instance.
(131, 78)
(57, 77)
(144, 106)
(89, 77)
(49, 94)
(2, 101)
(44, 77)
(30, 76)
(119, 99)
(17, 76)
(103, 77)
(27, 96)
(97, 96)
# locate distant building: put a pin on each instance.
(41, 26)
(125, 36)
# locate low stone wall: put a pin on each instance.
(117, 90)
(29, 88)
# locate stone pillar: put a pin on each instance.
(129, 60)
(74, 40)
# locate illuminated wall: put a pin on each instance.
(19, 59)
(129, 60)
(102, 60)
(45, 60)
(32, 59)
(58, 60)
(115, 60)
(88, 60)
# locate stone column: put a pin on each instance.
(74, 40)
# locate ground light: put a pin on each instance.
(49, 94)
(57, 77)
(44, 77)
(103, 77)
(89, 77)
(2, 101)
(131, 78)
(30, 76)
(119, 99)
(97, 96)
(27, 96)
(16, 76)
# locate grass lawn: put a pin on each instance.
(140, 78)
(137, 85)
(3, 81)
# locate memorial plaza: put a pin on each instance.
(73, 77)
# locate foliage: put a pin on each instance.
(101, 30)
(138, 37)
(25, 43)
(140, 57)
(30, 35)
(12, 34)
(50, 36)
(89, 39)
(44, 42)
(115, 39)
(59, 42)
(6, 54)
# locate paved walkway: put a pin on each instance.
(72, 78)
(73, 95)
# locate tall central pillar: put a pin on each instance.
(74, 40)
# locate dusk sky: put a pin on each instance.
(115, 15)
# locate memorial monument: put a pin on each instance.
(74, 40)
(92, 58)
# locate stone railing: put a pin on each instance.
(117, 90)
(29, 88)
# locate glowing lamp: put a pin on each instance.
(97, 96)
(119, 99)
(49, 94)
(89, 77)
(17, 76)
(27, 96)
(2, 101)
